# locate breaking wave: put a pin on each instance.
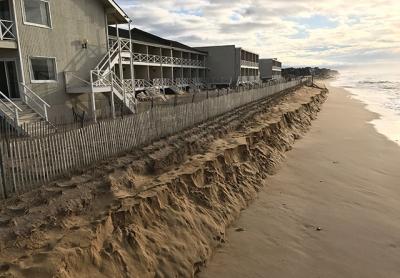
(382, 96)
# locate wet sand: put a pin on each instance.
(332, 210)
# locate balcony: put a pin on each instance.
(152, 59)
(7, 37)
(248, 64)
(159, 83)
(140, 58)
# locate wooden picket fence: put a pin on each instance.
(26, 163)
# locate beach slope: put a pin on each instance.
(333, 210)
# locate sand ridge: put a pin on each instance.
(157, 215)
(343, 178)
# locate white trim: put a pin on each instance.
(34, 81)
(119, 10)
(36, 24)
(21, 60)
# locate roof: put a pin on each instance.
(118, 16)
(143, 36)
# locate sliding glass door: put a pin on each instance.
(9, 79)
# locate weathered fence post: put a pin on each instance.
(30, 162)
(2, 172)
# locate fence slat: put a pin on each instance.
(28, 162)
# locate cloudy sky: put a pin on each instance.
(335, 33)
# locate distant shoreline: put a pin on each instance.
(383, 120)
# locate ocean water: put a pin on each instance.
(381, 94)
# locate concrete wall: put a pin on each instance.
(72, 21)
(222, 61)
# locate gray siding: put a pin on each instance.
(72, 21)
(222, 61)
(265, 68)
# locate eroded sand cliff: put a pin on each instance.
(157, 212)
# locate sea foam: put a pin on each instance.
(381, 94)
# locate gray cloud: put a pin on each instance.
(274, 28)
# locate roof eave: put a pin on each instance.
(119, 16)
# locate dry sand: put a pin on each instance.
(159, 211)
(333, 210)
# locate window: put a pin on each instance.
(4, 10)
(37, 12)
(43, 69)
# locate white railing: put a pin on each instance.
(110, 55)
(166, 60)
(128, 84)
(182, 81)
(13, 112)
(139, 83)
(162, 82)
(123, 93)
(6, 30)
(146, 58)
(153, 58)
(35, 102)
(100, 79)
(248, 63)
(158, 83)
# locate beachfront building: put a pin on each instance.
(158, 64)
(50, 58)
(270, 69)
(229, 65)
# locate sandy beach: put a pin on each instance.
(158, 212)
(332, 210)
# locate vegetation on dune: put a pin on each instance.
(316, 71)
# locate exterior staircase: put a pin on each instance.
(28, 115)
(124, 94)
(103, 78)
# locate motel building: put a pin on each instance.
(157, 63)
(270, 69)
(53, 60)
(230, 66)
(73, 59)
